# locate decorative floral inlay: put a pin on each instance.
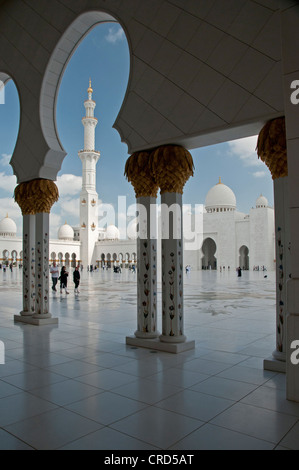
(280, 320)
(28, 276)
(148, 304)
(174, 307)
(42, 276)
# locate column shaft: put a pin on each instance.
(147, 270)
(172, 268)
(42, 265)
(282, 236)
(28, 265)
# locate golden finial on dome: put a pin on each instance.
(219, 182)
(89, 89)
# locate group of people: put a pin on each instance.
(63, 278)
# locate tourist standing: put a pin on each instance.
(76, 279)
(63, 280)
(54, 270)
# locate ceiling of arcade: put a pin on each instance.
(202, 71)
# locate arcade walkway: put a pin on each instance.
(78, 386)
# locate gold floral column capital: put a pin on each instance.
(36, 196)
(271, 147)
(172, 166)
(138, 172)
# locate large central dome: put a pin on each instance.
(220, 198)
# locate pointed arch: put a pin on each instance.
(57, 64)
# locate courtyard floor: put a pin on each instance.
(77, 385)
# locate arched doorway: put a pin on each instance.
(209, 260)
(244, 257)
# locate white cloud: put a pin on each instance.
(8, 182)
(259, 174)
(114, 35)
(55, 223)
(69, 184)
(245, 150)
(69, 207)
(5, 159)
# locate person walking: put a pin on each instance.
(54, 270)
(63, 280)
(76, 279)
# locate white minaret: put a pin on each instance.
(88, 196)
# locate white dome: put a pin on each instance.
(112, 233)
(220, 197)
(8, 227)
(261, 201)
(65, 232)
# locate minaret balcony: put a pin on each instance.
(89, 120)
(89, 150)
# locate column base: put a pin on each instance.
(173, 339)
(276, 363)
(158, 345)
(24, 313)
(31, 320)
(140, 334)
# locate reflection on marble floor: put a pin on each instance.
(77, 385)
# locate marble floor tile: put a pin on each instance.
(260, 423)
(52, 429)
(158, 427)
(77, 385)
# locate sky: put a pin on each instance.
(103, 56)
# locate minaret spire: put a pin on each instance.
(89, 90)
(89, 196)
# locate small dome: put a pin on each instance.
(112, 233)
(8, 227)
(220, 198)
(261, 201)
(66, 232)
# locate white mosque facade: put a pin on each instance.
(224, 240)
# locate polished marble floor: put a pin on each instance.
(78, 386)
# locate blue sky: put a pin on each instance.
(104, 56)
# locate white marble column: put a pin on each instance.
(147, 270)
(290, 66)
(28, 265)
(36, 197)
(282, 235)
(172, 269)
(172, 167)
(42, 266)
(282, 255)
(138, 172)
